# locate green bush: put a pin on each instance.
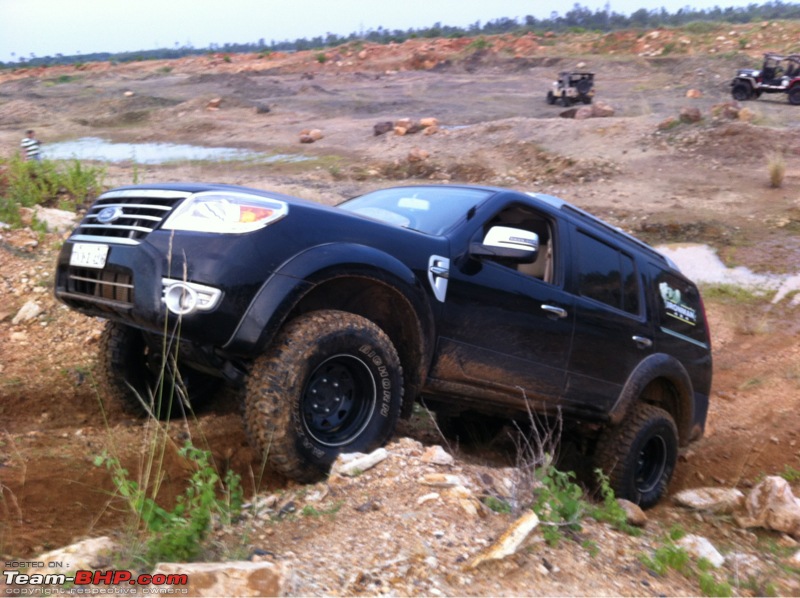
(178, 534)
(65, 185)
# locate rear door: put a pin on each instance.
(612, 331)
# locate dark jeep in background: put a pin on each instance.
(485, 303)
(778, 74)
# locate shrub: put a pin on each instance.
(776, 166)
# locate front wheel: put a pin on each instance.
(639, 455)
(551, 99)
(331, 383)
(794, 96)
(134, 374)
(742, 92)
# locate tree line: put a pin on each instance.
(578, 19)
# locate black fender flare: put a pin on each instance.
(659, 365)
(299, 275)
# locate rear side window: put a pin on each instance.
(679, 305)
(607, 275)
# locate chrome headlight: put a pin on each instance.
(227, 213)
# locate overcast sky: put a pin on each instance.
(50, 27)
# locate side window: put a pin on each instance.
(678, 305)
(607, 275)
(526, 218)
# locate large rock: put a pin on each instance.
(691, 115)
(715, 500)
(382, 127)
(701, 548)
(772, 505)
(93, 553)
(353, 464)
(27, 312)
(601, 109)
(235, 578)
(510, 541)
(57, 221)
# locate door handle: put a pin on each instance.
(556, 311)
(440, 271)
(642, 342)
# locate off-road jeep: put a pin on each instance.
(487, 304)
(572, 87)
(779, 74)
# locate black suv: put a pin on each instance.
(488, 304)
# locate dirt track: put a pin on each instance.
(702, 183)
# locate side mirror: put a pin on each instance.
(507, 242)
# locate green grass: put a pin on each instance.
(65, 185)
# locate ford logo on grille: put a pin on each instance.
(109, 214)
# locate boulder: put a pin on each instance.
(772, 505)
(715, 500)
(382, 127)
(234, 578)
(353, 464)
(633, 512)
(56, 221)
(436, 454)
(583, 113)
(27, 313)
(510, 541)
(601, 109)
(690, 115)
(92, 553)
(429, 122)
(701, 548)
(214, 104)
(418, 155)
(694, 94)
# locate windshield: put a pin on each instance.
(430, 210)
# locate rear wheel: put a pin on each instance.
(794, 96)
(551, 99)
(742, 92)
(331, 383)
(639, 455)
(138, 378)
(565, 101)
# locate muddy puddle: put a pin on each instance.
(95, 148)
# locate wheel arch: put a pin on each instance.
(659, 380)
(353, 278)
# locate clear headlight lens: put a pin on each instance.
(222, 212)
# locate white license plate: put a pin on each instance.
(88, 255)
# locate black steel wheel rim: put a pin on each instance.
(339, 400)
(651, 464)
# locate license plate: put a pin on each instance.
(88, 255)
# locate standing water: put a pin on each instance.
(702, 264)
(94, 148)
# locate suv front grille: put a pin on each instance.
(108, 287)
(127, 216)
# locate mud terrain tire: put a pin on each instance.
(742, 92)
(129, 374)
(551, 99)
(330, 383)
(583, 86)
(640, 454)
(794, 96)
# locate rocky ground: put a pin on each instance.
(666, 181)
